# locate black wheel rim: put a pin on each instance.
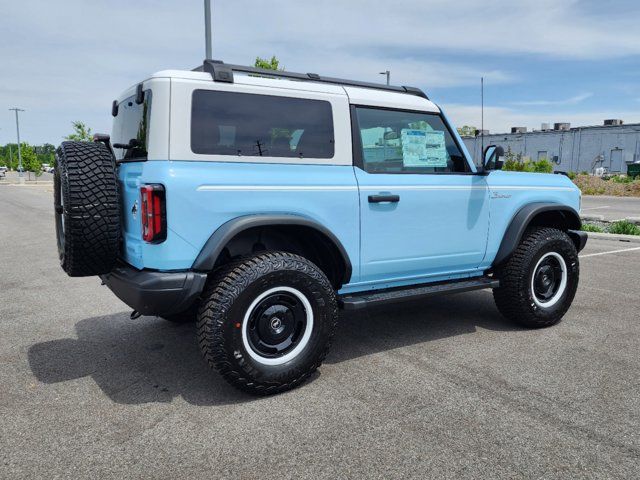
(547, 279)
(276, 324)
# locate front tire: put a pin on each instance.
(266, 322)
(539, 281)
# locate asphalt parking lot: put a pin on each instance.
(610, 209)
(444, 388)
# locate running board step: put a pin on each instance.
(356, 301)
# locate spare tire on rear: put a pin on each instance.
(87, 211)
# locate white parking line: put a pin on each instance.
(607, 253)
(594, 208)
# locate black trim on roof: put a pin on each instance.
(223, 72)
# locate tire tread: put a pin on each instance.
(511, 296)
(223, 288)
(86, 175)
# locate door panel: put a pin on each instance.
(423, 213)
(438, 225)
(616, 160)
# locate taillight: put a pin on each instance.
(153, 213)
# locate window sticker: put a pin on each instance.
(422, 148)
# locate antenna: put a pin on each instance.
(207, 29)
(482, 118)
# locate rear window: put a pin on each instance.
(226, 123)
(131, 125)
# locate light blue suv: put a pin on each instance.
(259, 203)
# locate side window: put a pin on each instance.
(395, 141)
(132, 124)
(227, 123)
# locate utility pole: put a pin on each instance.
(207, 29)
(20, 172)
(388, 74)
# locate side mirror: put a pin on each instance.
(493, 157)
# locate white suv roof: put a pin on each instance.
(372, 94)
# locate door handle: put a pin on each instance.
(384, 198)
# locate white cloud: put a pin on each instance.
(567, 101)
(63, 61)
(404, 70)
(545, 27)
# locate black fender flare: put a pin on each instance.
(522, 219)
(205, 261)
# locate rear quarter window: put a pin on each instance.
(229, 123)
(132, 123)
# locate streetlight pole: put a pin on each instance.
(20, 172)
(207, 29)
(482, 119)
(388, 74)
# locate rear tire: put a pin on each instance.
(266, 322)
(87, 210)
(539, 281)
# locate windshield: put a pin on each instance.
(131, 127)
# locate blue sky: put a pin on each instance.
(573, 61)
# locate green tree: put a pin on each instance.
(516, 163)
(30, 160)
(9, 155)
(273, 64)
(46, 153)
(467, 131)
(4, 156)
(543, 166)
(81, 133)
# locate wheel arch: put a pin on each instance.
(305, 233)
(553, 215)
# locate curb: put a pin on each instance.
(614, 237)
(592, 218)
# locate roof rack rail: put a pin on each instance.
(223, 72)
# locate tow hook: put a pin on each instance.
(135, 314)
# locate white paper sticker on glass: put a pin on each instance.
(422, 148)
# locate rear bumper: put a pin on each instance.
(155, 293)
(579, 238)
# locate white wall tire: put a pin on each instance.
(559, 289)
(238, 306)
(300, 344)
(522, 296)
